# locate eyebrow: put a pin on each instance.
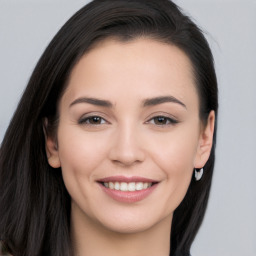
(93, 101)
(146, 102)
(162, 99)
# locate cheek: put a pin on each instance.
(79, 151)
(80, 155)
(175, 157)
(175, 152)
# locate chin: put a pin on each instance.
(128, 227)
(132, 222)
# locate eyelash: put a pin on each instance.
(166, 120)
(87, 120)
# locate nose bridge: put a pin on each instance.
(127, 147)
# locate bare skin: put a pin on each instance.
(131, 110)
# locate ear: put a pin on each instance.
(205, 142)
(51, 147)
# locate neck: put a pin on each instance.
(92, 238)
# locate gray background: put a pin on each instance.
(229, 228)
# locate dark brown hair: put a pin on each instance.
(34, 203)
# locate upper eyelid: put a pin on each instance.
(162, 114)
(92, 114)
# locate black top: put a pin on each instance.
(182, 254)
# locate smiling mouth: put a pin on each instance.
(128, 186)
(128, 189)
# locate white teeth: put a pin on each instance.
(139, 186)
(117, 186)
(111, 185)
(131, 186)
(124, 186)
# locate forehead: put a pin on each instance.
(113, 68)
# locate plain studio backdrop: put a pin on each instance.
(229, 227)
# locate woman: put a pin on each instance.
(111, 148)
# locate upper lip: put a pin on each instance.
(127, 179)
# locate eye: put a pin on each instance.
(162, 120)
(92, 120)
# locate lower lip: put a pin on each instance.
(128, 196)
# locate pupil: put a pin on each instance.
(160, 120)
(95, 119)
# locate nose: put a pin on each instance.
(126, 147)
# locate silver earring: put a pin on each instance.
(199, 173)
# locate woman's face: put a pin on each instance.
(129, 134)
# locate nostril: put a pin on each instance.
(126, 162)
(126, 152)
